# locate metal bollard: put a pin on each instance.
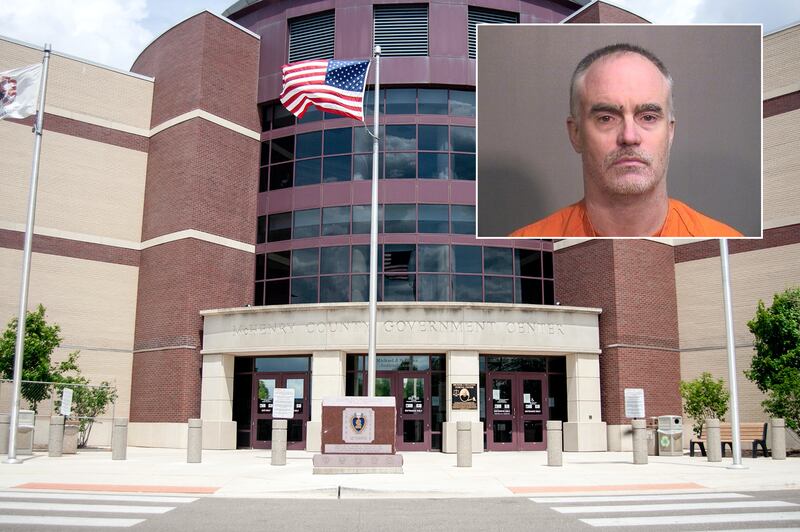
(5, 428)
(194, 442)
(639, 441)
(278, 442)
(555, 444)
(713, 441)
(464, 444)
(119, 439)
(55, 443)
(778, 429)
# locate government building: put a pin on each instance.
(201, 247)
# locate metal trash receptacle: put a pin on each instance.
(670, 436)
(652, 436)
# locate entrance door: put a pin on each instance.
(264, 385)
(412, 392)
(515, 411)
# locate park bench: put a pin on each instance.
(756, 433)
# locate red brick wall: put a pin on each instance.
(84, 130)
(782, 104)
(601, 13)
(166, 386)
(779, 236)
(64, 247)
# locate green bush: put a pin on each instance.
(704, 398)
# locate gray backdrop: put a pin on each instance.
(527, 168)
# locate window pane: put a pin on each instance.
(401, 101)
(278, 264)
(306, 172)
(309, 145)
(462, 219)
(263, 179)
(279, 227)
(528, 290)
(401, 165)
(400, 218)
(362, 140)
(359, 291)
(265, 153)
(434, 258)
(433, 218)
(281, 117)
(433, 165)
(280, 176)
(401, 138)
(276, 292)
(462, 103)
(261, 260)
(369, 102)
(547, 264)
(528, 262)
(305, 261)
(334, 259)
(398, 288)
(336, 221)
(462, 138)
(361, 221)
(261, 230)
(282, 149)
(434, 287)
(334, 288)
(549, 293)
(467, 259)
(499, 289)
(360, 259)
(258, 296)
(497, 260)
(399, 258)
(463, 166)
(336, 169)
(433, 101)
(312, 114)
(433, 138)
(306, 223)
(362, 167)
(467, 288)
(338, 141)
(266, 117)
(304, 290)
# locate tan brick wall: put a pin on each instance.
(781, 60)
(782, 168)
(113, 98)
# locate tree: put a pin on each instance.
(775, 368)
(88, 402)
(704, 398)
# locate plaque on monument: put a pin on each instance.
(465, 396)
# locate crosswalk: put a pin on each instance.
(83, 510)
(678, 511)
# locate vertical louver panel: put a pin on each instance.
(311, 37)
(486, 16)
(401, 30)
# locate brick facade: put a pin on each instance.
(600, 13)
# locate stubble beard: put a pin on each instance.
(631, 181)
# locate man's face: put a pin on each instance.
(624, 128)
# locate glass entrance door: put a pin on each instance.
(412, 394)
(515, 412)
(264, 385)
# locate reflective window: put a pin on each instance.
(549, 293)
(434, 218)
(336, 220)
(360, 259)
(279, 227)
(399, 258)
(309, 144)
(304, 290)
(400, 218)
(528, 262)
(361, 220)
(261, 230)
(467, 288)
(276, 292)
(433, 165)
(401, 138)
(338, 141)
(278, 264)
(462, 219)
(312, 114)
(280, 176)
(401, 165)
(258, 296)
(260, 262)
(282, 149)
(462, 166)
(306, 223)
(434, 287)
(462, 103)
(433, 101)
(467, 259)
(547, 264)
(499, 289)
(497, 260)
(362, 140)
(401, 101)
(334, 288)
(307, 172)
(265, 153)
(398, 288)
(281, 117)
(336, 169)
(433, 138)
(282, 364)
(362, 167)
(305, 261)
(334, 259)
(434, 258)
(359, 288)
(263, 179)
(528, 290)
(462, 138)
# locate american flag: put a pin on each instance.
(332, 85)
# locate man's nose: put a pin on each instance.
(629, 132)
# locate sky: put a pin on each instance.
(114, 32)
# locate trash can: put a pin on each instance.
(670, 436)
(652, 436)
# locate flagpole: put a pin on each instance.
(26, 266)
(373, 235)
(726, 298)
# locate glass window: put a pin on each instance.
(334, 288)
(359, 289)
(467, 288)
(258, 296)
(547, 264)
(467, 259)
(266, 117)
(361, 220)
(462, 103)
(462, 219)
(528, 262)
(360, 259)
(549, 293)
(398, 288)
(433, 138)
(309, 144)
(401, 165)
(278, 264)
(260, 262)
(306, 223)
(282, 149)
(434, 258)
(369, 102)
(499, 289)
(265, 153)
(401, 138)
(362, 167)
(306, 172)
(304, 290)
(334, 259)
(399, 258)
(282, 364)
(279, 227)
(276, 292)
(362, 140)
(497, 260)
(433, 101)
(433, 165)
(281, 117)
(401, 101)
(434, 287)
(261, 230)
(338, 141)
(433, 218)
(280, 176)
(462, 138)
(312, 114)
(462, 166)
(305, 261)
(528, 290)
(263, 179)
(400, 218)
(336, 220)
(336, 169)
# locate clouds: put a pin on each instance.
(774, 14)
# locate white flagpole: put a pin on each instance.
(373, 235)
(26, 266)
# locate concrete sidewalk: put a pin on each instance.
(248, 473)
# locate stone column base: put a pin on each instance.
(620, 438)
(450, 435)
(585, 436)
(314, 436)
(219, 434)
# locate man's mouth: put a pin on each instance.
(629, 161)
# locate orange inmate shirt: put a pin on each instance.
(681, 220)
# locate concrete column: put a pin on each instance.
(278, 442)
(462, 368)
(327, 380)
(584, 431)
(464, 440)
(554, 443)
(55, 443)
(119, 439)
(778, 430)
(216, 402)
(5, 428)
(713, 441)
(194, 442)
(639, 441)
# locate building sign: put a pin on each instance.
(266, 394)
(66, 402)
(358, 425)
(500, 406)
(283, 406)
(634, 403)
(413, 405)
(465, 396)
(530, 406)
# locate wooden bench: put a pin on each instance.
(756, 433)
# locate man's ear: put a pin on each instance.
(671, 131)
(574, 134)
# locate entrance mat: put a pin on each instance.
(127, 488)
(613, 487)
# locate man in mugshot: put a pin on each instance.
(621, 123)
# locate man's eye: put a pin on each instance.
(649, 118)
(604, 119)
